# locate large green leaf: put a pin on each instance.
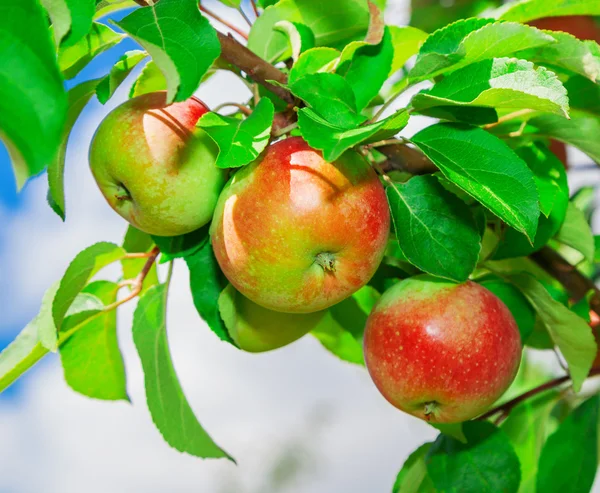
(487, 463)
(91, 359)
(313, 61)
(435, 229)
(584, 94)
(413, 477)
(580, 131)
(71, 19)
(334, 141)
(79, 97)
(581, 57)
(551, 181)
(406, 41)
(33, 101)
(180, 40)
(181, 246)
(79, 272)
(472, 40)
(498, 83)
(487, 169)
(334, 23)
(240, 141)
(167, 403)
(366, 67)
(528, 10)
(73, 59)
(527, 427)
(571, 333)
(206, 283)
(569, 458)
(577, 233)
(300, 37)
(331, 97)
(109, 83)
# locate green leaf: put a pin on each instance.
(240, 141)
(43, 322)
(366, 67)
(341, 331)
(91, 359)
(168, 406)
(71, 19)
(435, 229)
(313, 61)
(331, 97)
(151, 79)
(516, 303)
(487, 463)
(472, 40)
(413, 477)
(137, 241)
(581, 57)
(528, 10)
(487, 169)
(571, 333)
(454, 430)
(580, 131)
(73, 59)
(334, 141)
(20, 355)
(172, 247)
(105, 7)
(206, 283)
(498, 83)
(300, 37)
(180, 40)
(334, 23)
(577, 233)
(584, 94)
(406, 41)
(109, 84)
(79, 97)
(34, 102)
(83, 267)
(526, 427)
(572, 451)
(551, 181)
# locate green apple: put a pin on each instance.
(154, 167)
(295, 233)
(256, 329)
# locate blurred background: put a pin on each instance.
(297, 420)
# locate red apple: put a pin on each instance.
(440, 351)
(154, 167)
(580, 26)
(295, 233)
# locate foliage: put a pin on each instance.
(481, 195)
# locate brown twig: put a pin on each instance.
(253, 3)
(401, 157)
(574, 281)
(224, 22)
(258, 69)
(138, 282)
(508, 406)
(244, 109)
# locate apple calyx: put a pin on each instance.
(326, 261)
(122, 193)
(430, 408)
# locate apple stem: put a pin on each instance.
(326, 261)
(430, 408)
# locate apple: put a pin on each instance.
(440, 351)
(580, 26)
(295, 233)
(256, 329)
(154, 167)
